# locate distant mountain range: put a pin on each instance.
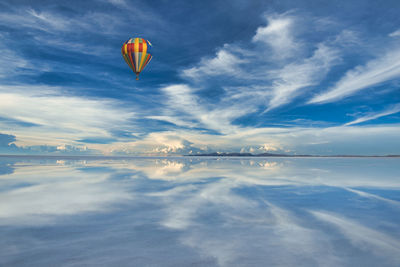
(224, 154)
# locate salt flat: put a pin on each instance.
(189, 211)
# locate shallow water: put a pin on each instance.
(200, 212)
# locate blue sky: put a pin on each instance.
(318, 77)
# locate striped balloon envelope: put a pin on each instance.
(137, 54)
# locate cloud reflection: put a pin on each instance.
(37, 193)
(205, 211)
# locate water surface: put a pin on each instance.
(200, 212)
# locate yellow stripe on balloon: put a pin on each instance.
(143, 55)
(136, 49)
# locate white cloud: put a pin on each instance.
(278, 34)
(347, 38)
(10, 61)
(270, 83)
(46, 20)
(225, 63)
(61, 119)
(54, 23)
(375, 72)
(158, 143)
(372, 116)
(119, 3)
(269, 147)
(298, 76)
(174, 120)
(182, 98)
(395, 33)
(376, 139)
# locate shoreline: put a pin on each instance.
(193, 156)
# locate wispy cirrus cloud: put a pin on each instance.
(380, 70)
(269, 85)
(56, 23)
(267, 76)
(272, 83)
(225, 63)
(293, 78)
(10, 61)
(375, 115)
(197, 113)
(48, 21)
(274, 66)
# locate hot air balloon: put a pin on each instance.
(136, 52)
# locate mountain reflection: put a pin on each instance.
(200, 211)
